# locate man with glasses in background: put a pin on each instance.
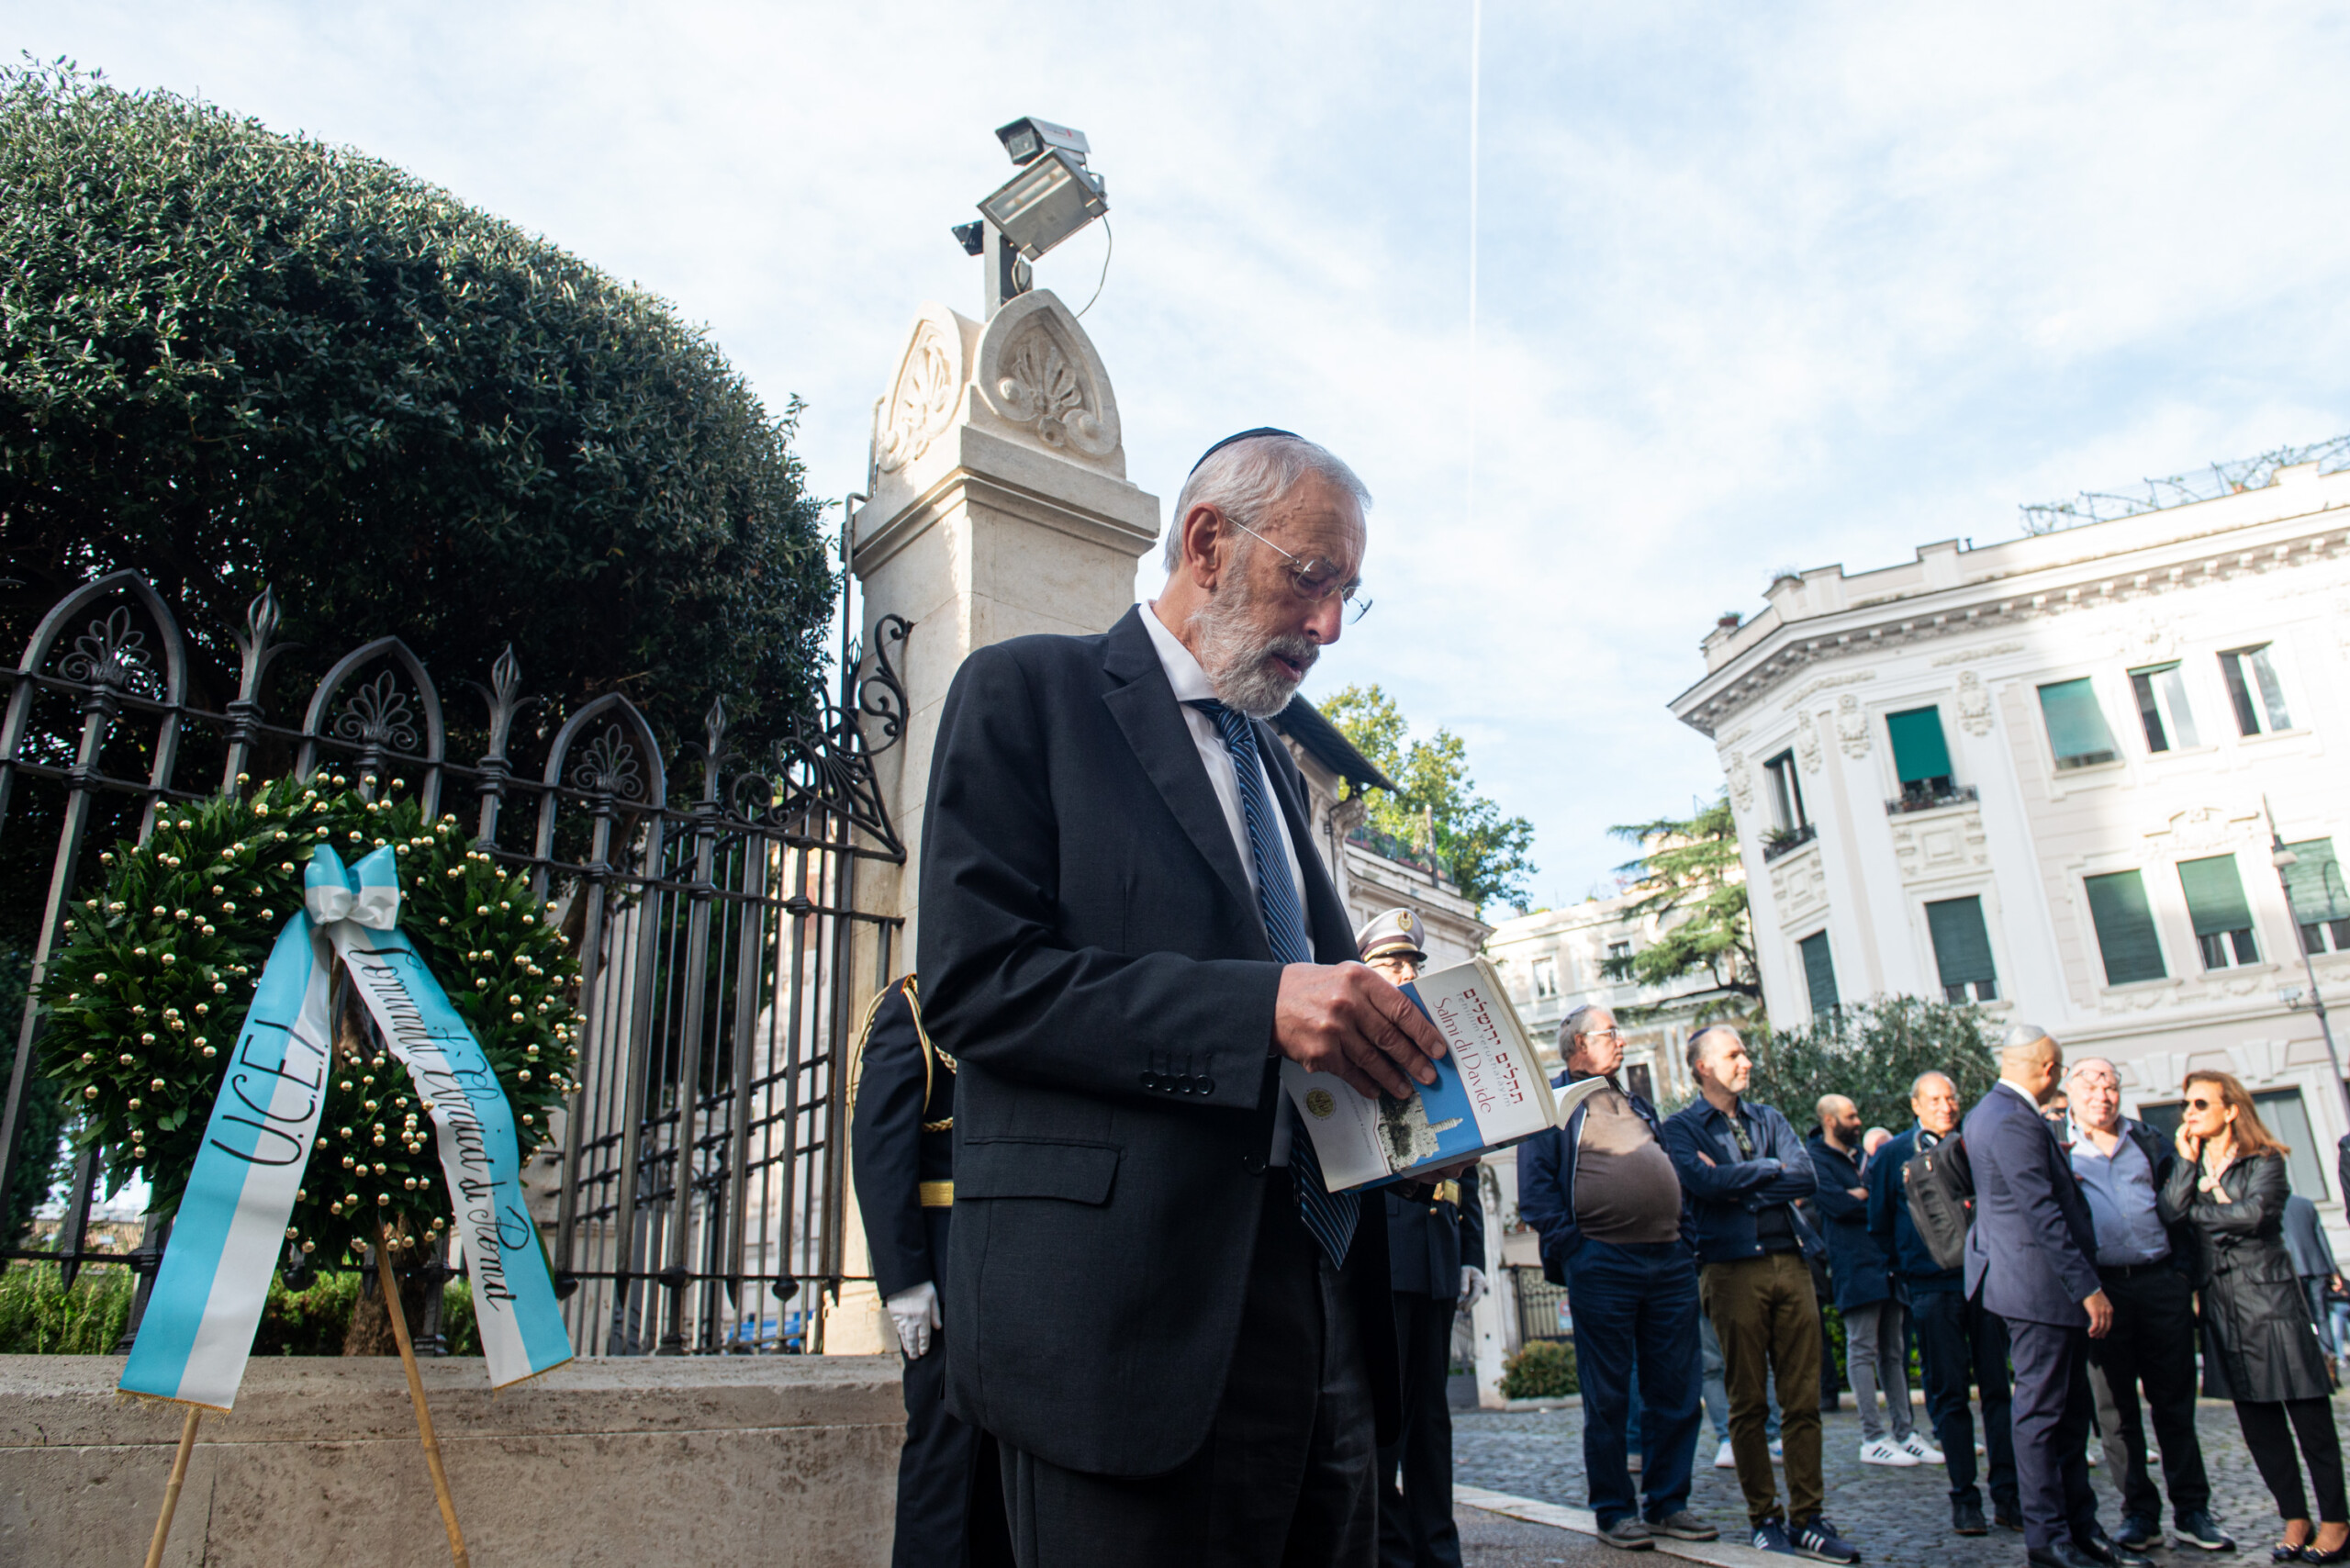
(2143, 1264)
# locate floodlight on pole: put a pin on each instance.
(1053, 195)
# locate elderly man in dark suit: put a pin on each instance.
(2030, 1215)
(1181, 1338)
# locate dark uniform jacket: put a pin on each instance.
(1854, 1258)
(2258, 1340)
(901, 1143)
(1093, 957)
(1428, 1240)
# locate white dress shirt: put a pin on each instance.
(1191, 684)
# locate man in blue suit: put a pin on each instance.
(2030, 1215)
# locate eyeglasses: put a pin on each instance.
(2203, 1104)
(1315, 578)
(1592, 1033)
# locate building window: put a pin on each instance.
(2161, 707)
(2125, 928)
(1618, 951)
(2321, 904)
(1638, 1078)
(1545, 979)
(1819, 973)
(1920, 758)
(2077, 730)
(1787, 793)
(1962, 950)
(2287, 1119)
(2251, 675)
(2215, 903)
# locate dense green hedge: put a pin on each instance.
(39, 1317)
(230, 357)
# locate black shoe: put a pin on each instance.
(2309, 1553)
(2062, 1554)
(2007, 1516)
(2285, 1552)
(2138, 1532)
(2103, 1549)
(2197, 1527)
(1966, 1518)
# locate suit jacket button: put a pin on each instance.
(1150, 1081)
(1207, 1085)
(1253, 1163)
(1182, 1083)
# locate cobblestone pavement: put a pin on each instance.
(1893, 1516)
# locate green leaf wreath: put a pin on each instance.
(148, 991)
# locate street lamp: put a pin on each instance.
(2284, 860)
(1052, 197)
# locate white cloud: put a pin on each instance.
(1760, 287)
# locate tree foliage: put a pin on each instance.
(1691, 880)
(42, 1134)
(1870, 1052)
(1489, 854)
(229, 357)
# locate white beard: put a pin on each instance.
(1237, 656)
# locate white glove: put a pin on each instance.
(1472, 1284)
(915, 1312)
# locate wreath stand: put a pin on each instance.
(389, 1282)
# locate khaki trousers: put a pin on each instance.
(1768, 1320)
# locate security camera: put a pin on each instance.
(1027, 139)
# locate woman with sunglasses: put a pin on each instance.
(2259, 1347)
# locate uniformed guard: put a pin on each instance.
(1435, 1249)
(901, 1154)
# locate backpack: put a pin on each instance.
(1938, 1186)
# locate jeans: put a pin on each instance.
(1876, 1350)
(1959, 1344)
(2152, 1345)
(1636, 1306)
(1769, 1322)
(2339, 1340)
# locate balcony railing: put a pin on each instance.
(1786, 840)
(1932, 796)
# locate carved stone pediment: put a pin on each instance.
(1038, 372)
(921, 403)
(1940, 843)
(2206, 829)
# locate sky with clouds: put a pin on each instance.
(1757, 287)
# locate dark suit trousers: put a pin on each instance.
(1416, 1528)
(1961, 1344)
(1286, 1477)
(2052, 1427)
(949, 1507)
(2152, 1344)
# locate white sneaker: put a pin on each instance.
(1724, 1459)
(1920, 1449)
(1884, 1450)
(1778, 1452)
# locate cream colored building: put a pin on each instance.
(2032, 775)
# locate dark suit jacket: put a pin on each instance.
(901, 1135)
(1896, 1232)
(2029, 1214)
(1429, 1239)
(1093, 958)
(1854, 1258)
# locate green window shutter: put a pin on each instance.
(2125, 928)
(1962, 946)
(1918, 748)
(2215, 899)
(2316, 881)
(2076, 729)
(1819, 973)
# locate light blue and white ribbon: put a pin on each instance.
(199, 1330)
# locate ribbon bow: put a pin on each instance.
(214, 1281)
(368, 892)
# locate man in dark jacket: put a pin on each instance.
(2147, 1270)
(1744, 1167)
(1602, 1195)
(2033, 1222)
(901, 1157)
(1181, 1338)
(1960, 1345)
(1875, 1342)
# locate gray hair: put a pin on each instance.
(1243, 480)
(1919, 1082)
(1570, 1027)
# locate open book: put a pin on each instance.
(1489, 1091)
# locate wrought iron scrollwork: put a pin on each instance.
(112, 653)
(609, 767)
(377, 716)
(827, 766)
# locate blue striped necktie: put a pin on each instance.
(1330, 1216)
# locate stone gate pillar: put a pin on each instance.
(1000, 506)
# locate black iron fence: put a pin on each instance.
(695, 1201)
